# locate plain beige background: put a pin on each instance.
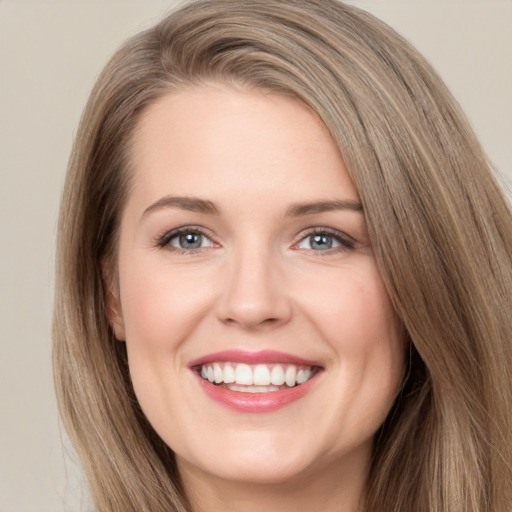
(50, 53)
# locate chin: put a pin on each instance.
(255, 469)
(250, 458)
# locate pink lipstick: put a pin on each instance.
(262, 381)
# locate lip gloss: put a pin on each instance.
(248, 357)
(257, 402)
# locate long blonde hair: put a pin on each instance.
(440, 228)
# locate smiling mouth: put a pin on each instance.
(257, 378)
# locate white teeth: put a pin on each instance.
(262, 375)
(243, 374)
(229, 374)
(277, 375)
(290, 376)
(218, 373)
(259, 378)
(303, 376)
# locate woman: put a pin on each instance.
(283, 275)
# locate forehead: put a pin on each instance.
(221, 140)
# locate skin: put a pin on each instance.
(256, 283)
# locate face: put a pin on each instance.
(262, 344)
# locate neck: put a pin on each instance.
(330, 489)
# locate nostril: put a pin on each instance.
(253, 296)
(252, 323)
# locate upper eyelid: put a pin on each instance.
(325, 230)
(345, 241)
(168, 235)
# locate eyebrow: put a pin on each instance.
(300, 209)
(205, 206)
(191, 204)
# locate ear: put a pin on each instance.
(113, 311)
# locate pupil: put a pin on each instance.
(321, 242)
(190, 240)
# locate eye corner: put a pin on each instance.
(186, 240)
(328, 241)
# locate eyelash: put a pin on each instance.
(165, 240)
(345, 241)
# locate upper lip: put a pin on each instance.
(252, 357)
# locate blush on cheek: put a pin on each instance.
(358, 329)
(155, 309)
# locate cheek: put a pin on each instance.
(367, 341)
(161, 306)
(353, 311)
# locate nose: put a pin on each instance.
(254, 293)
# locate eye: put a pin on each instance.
(323, 240)
(318, 242)
(189, 240)
(185, 239)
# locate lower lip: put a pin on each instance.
(256, 402)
